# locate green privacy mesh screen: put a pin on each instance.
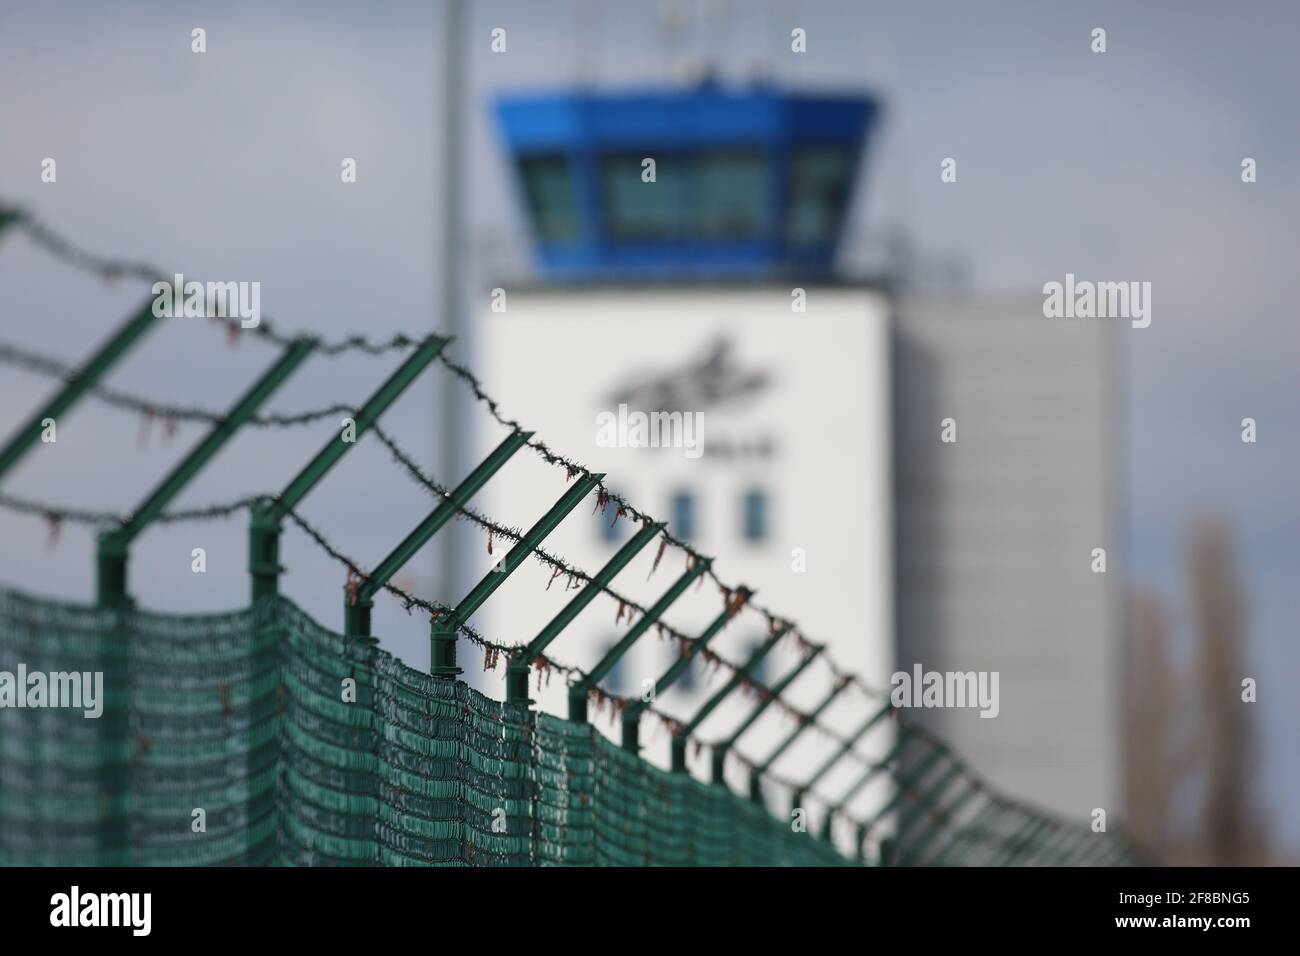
(243, 716)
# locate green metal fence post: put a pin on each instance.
(904, 782)
(443, 629)
(268, 516)
(904, 738)
(517, 670)
(111, 586)
(947, 812)
(828, 825)
(848, 744)
(121, 341)
(707, 708)
(966, 833)
(720, 750)
(1017, 842)
(975, 835)
(357, 607)
(579, 692)
(632, 715)
(923, 804)
(114, 544)
(755, 789)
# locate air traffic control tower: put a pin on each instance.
(685, 244)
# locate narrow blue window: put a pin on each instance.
(614, 679)
(683, 515)
(754, 518)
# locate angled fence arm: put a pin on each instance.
(632, 715)
(1084, 833)
(945, 812)
(579, 692)
(264, 529)
(756, 773)
(1062, 849)
(872, 771)
(517, 670)
(720, 750)
(85, 378)
(904, 782)
(756, 658)
(976, 835)
(923, 804)
(357, 606)
(956, 835)
(843, 750)
(1050, 846)
(113, 545)
(443, 629)
(1018, 841)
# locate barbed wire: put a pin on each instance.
(574, 575)
(152, 408)
(111, 270)
(624, 508)
(493, 651)
(55, 513)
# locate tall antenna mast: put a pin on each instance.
(452, 265)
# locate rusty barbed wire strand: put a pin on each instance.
(151, 408)
(73, 515)
(575, 469)
(436, 610)
(111, 270)
(574, 575)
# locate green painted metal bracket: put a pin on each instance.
(517, 671)
(707, 708)
(1055, 847)
(756, 773)
(95, 368)
(442, 630)
(925, 803)
(265, 527)
(579, 692)
(958, 836)
(720, 750)
(1018, 842)
(632, 715)
(358, 605)
(904, 783)
(904, 738)
(1068, 849)
(976, 835)
(114, 545)
(860, 842)
(912, 854)
(849, 743)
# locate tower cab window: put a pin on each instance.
(708, 195)
(548, 186)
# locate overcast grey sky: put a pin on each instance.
(1121, 166)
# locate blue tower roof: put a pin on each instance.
(745, 182)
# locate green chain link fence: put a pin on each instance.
(243, 715)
